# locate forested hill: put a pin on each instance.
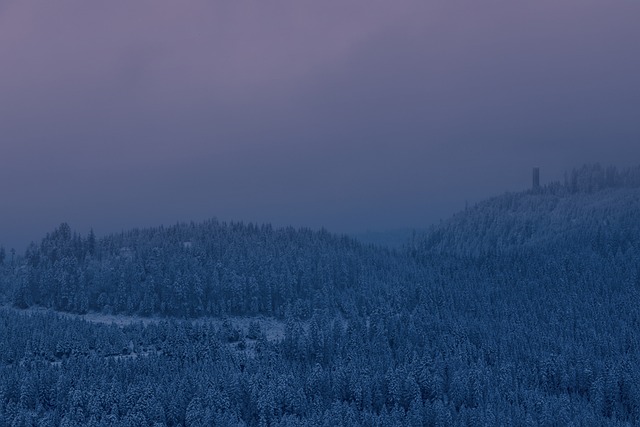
(191, 270)
(540, 327)
(595, 210)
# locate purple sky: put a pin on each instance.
(348, 114)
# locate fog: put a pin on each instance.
(349, 115)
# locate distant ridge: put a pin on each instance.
(395, 239)
(196, 269)
(595, 209)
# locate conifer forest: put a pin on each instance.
(521, 310)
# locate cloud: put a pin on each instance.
(345, 113)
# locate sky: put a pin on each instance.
(351, 115)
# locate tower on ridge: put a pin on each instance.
(536, 178)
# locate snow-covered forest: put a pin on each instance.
(521, 310)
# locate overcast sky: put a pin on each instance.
(347, 114)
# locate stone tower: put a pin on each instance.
(536, 178)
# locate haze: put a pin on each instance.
(348, 114)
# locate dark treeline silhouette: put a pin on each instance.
(595, 177)
(522, 310)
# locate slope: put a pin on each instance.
(192, 270)
(558, 217)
